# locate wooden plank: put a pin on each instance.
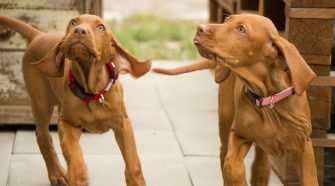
(213, 11)
(311, 36)
(329, 141)
(319, 155)
(321, 70)
(247, 12)
(319, 99)
(20, 114)
(324, 81)
(12, 89)
(227, 5)
(330, 166)
(95, 7)
(40, 4)
(247, 4)
(319, 13)
(317, 59)
(44, 20)
(310, 3)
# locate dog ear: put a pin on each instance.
(52, 64)
(301, 74)
(221, 73)
(126, 63)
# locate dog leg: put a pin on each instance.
(226, 113)
(56, 172)
(234, 169)
(260, 171)
(125, 138)
(69, 139)
(42, 102)
(305, 166)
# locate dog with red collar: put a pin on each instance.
(78, 71)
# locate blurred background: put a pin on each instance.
(157, 28)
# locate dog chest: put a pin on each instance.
(94, 116)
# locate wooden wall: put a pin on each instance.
(47, 16)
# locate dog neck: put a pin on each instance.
(265, 78)
(92, 77)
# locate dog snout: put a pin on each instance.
(202, 29)
(80, 31)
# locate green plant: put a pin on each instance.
(149, 35)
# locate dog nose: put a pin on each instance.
(202, 29)
(80, 31)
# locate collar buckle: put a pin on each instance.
(102, 99)
(272, 104)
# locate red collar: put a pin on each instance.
(78, 91)
(270, 100)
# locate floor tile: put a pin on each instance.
(199, 143)
(140, 93)
(194, 120)
(6, 144)
(147, 142)
(195, 90)
(149, 119)
(204, 171)
(104, 170)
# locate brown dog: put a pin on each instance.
(262, 97)
(89, 94)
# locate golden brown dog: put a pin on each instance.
(87, 91)
(262, 97)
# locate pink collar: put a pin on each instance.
(270, 100)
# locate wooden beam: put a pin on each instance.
(313, 13)
(328, 81)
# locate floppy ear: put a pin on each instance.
(301, 74)
(52, 64)
(127, 63)
(221, 73)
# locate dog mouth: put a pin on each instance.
(206, 53)
(81, 48)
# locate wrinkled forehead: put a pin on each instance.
(254, 23)
(91, 19)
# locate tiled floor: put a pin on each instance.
(176, 132)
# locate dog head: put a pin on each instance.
(247, 40)
(89, 41)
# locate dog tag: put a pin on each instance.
(101, 99)
(271, 103)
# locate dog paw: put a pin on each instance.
(79, 183)
(60, 180)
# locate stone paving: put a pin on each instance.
(175, 125)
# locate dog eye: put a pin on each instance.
(226, 19)
(101, 28)
(241, 29)
(73, 22)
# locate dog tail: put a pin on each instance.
(23, 28)
(201, 65)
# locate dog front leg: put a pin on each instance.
(260, 173)
(234, 169)
(305, 166)
(125, 138)
(56, 172)
(69, 139)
